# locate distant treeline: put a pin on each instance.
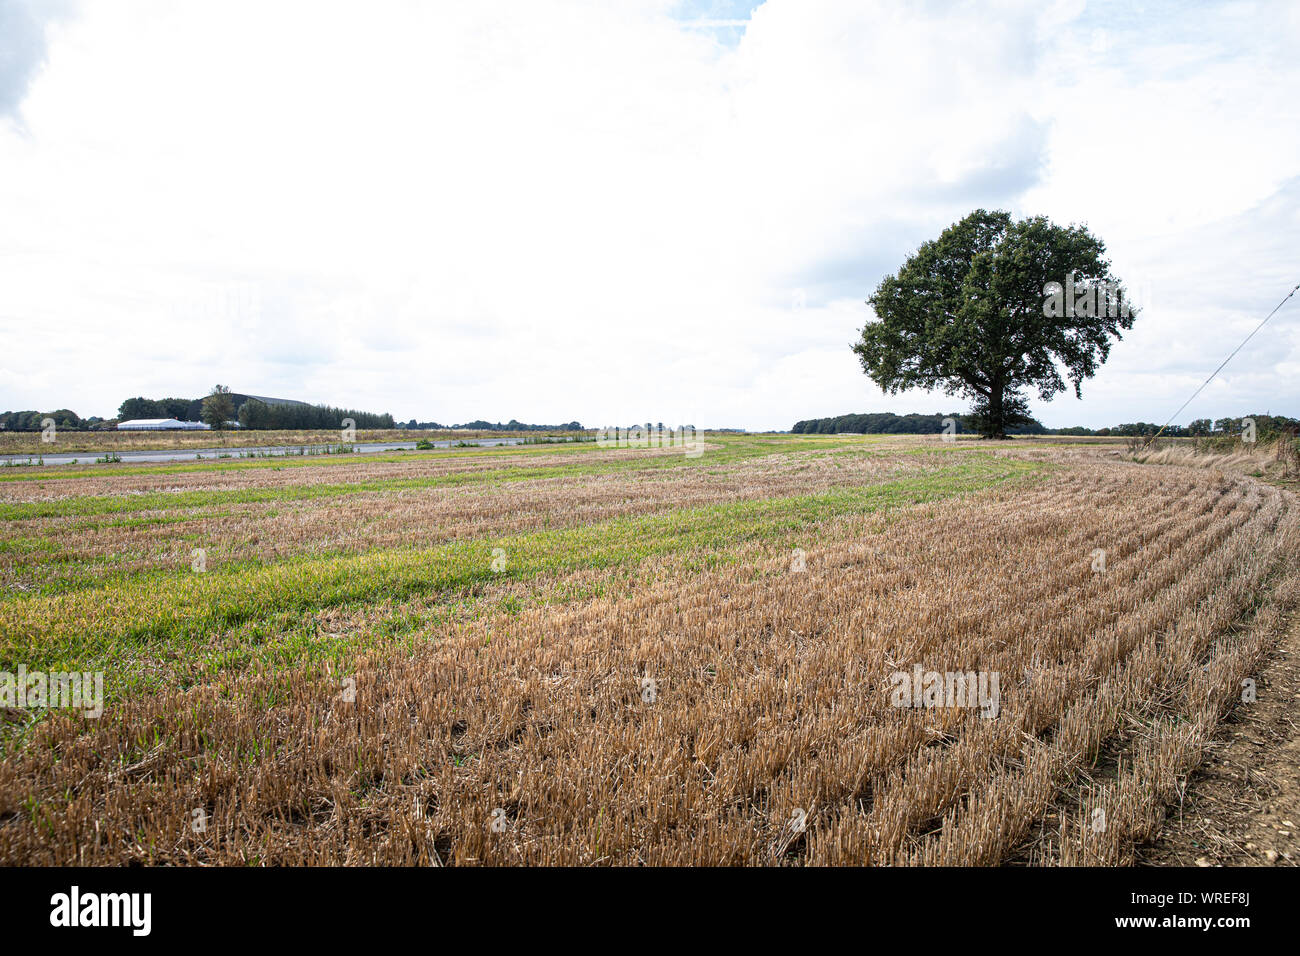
(256, 414)
(182, 409)
(887, 423)
(30, 421)
(1266, 427)
(259, 415)
(250, 412)
(482, 426)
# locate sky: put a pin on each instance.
(612, 212)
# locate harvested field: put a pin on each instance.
(591, 656)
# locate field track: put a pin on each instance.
(672, 661)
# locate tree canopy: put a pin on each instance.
(256, 414)
(218, 407)
(994, 307)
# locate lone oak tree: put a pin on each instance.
(993, 307)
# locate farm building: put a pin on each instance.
(160, 425)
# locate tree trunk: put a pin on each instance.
(997, 413)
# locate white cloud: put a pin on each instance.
(554, 210)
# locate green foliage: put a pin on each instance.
(254, 414)
(251, 412)
(1267, 427)
(260, 415)
(1014, 414)
(178, 408)
(32, 421)
(887, 423)
(876, 423)
(967, 314)
(139, 408)
(218, 407)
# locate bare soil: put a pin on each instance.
(1242, 806)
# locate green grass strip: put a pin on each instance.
(89, 505)
(97, 627)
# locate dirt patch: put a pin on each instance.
(1242, 806)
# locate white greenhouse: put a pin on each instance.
(160, 425)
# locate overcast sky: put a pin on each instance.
(622, 211)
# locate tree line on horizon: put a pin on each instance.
(222, 406)
(261, 416)
(887, 423)
(31, 421)
(216, 409)
(258, 415)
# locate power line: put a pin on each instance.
(1225, 362)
